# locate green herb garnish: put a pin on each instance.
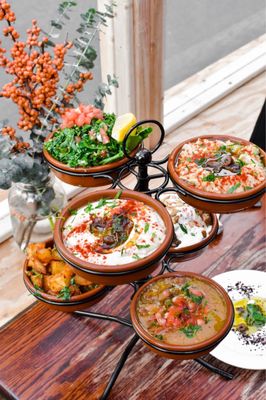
(194, 298)
(255, 315)
(190, 330)
(146, 227)
(247, 188)
(160, 337)
(136, 257)
(183, 228)
(200, 161)
(102, 202)
(73, 212)
(234, 187)
(142, 246)
(118, 194)
(72, 281)
(209, 178)
(222, 148)
(240, 163)
(88, 208)
(64, 293)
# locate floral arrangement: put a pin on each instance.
(45, 87)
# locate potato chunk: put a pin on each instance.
(38, 266)
(37, 280)
(57, 267)
(55, 255)
(57, 282)
(44, 255)
(79, 280)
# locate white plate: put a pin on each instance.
(232, 350)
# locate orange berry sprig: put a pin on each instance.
(36, 73)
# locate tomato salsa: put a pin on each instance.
(181, 310)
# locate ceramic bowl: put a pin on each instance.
(209, 201)
(114, 274)
(76, 303)
(178, 351)
(83, 177)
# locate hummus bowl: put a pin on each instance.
(54, 283)
(194, 229)
(218, 173)
(113, 237)
(181, 315)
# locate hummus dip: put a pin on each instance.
(113, 231)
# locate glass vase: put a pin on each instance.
(33, 208)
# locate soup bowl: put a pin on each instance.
(214, 201)
(86, 176)
(75, 303)
(186, 345)
(89, 260)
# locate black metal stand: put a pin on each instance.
(139, 166)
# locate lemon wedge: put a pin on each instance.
(122, 125)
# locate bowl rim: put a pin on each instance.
(85, 171)
(51, 299)
(113, 270)
(180, 349)
(205, 195)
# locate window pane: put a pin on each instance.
(200, 32)
(43, 12)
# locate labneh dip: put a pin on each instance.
(113, 231)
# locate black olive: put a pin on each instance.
(242, 328)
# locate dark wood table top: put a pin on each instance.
(49, 355)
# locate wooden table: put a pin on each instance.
(49, 355)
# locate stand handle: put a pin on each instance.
(145, 121)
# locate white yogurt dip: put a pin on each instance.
(191, 225)
(113, 231)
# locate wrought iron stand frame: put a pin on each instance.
(141, 162)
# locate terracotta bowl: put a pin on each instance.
(114, 274)
(209, 201)
(183, 352)
(76, 303)
(83, 177)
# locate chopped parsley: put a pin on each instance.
(253, 161)
(160, 337)
(234, 187)
(222, 148)
(146, 227)
(209, 178)
(190, 330)
(200, 161)
(88, 208)
(194, 298)
(72, 281)
(64, 293)
(240, 163)
(247, 188)
(136, 257)
(183, 228)
(73, 212)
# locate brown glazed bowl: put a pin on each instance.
(114, 274)
(83, 176)
(76, 303)
(209, 201)
(175, 351)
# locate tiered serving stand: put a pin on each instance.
(144, 169)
